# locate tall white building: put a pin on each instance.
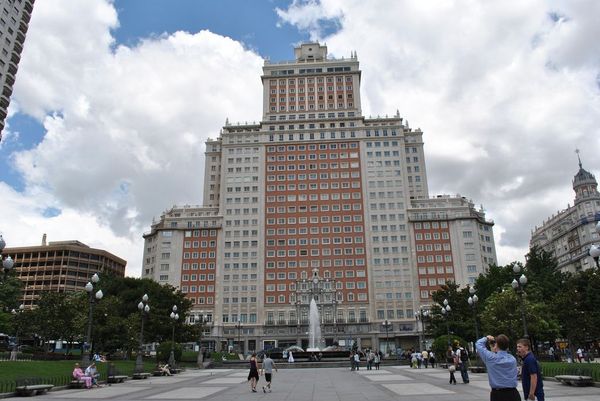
(569, 234)
(14, 22)
(313, 202)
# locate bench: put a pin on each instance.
(573, 380)
(77, 384)
(175, 371)
(142, 375)
(477, 369)
(116, 379)
(31, 385)
(158, 373)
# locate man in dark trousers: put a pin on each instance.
(533, 386)
(501, 367)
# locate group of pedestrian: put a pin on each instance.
(256, 371)
(503, 372)
(457, 358)
(373, 359)
(424, 358)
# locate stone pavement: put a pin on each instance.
(327, 384)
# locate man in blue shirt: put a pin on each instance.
(501, 367)
(533, 386)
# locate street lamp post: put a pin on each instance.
(421, 315)
(15, 349)
(518, 284)
(387, 325)
(144, 309)
(87, 346)
(472, 300)
(238, 326)
(174, 317)
(595, 249)
(446, 313)
(7, 263)
(201, 320)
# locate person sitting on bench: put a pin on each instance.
(79, 375)
(164, 369)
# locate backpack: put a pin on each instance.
(464, 355)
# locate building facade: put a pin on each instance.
(313, 202)
(61, 266)
(14, 22)
(570, 233)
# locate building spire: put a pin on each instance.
(578, 158)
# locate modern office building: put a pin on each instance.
(318, 202)
(14, 22)
(60, 266)
(570, 233)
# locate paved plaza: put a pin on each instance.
(328, 384)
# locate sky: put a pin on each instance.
(114, 100)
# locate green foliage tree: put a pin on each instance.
(164, 351)
(576, 306)
(440, 345)
(460, 318)
(502, 314)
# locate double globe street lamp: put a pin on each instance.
(89, 288)
(472, 301)
(8, 262)
(518, 284)
(421, 315)
(446, 314)
(144, 309)
(16, 313)
(174, 318)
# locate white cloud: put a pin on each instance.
(504, 92)
(126, 126)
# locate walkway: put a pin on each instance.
(329, 384)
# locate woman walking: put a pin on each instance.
(451, 360)
(253, 374)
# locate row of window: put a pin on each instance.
(320, 176)
(292, 81)
(283, 117)
(312, 107)
(432, 247)
(435, 269)
(237, 255)
(196, 266)
(349, 285)
(193, 289)
(282, 299)
(315, 230)
(432, 281)
(199, 244)
(315, 241)
(386, 217)
(201, 300)
(390, 228)
(430, 236)
(438, 258)
(292, 253)
(335, 207)
(235, 277)
(196, 255)
(313, 136)
(322, 219)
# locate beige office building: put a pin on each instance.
(313, 202)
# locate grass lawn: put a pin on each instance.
(56, 372)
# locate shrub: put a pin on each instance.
(163, 352)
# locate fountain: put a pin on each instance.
(314, 328)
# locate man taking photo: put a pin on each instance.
(501, 367)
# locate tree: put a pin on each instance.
(460, 318)
(502, 314)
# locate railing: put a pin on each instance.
(8, 386)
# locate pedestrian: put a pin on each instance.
(352, 364)
(267, 368)
(501, 367)
(580, 354)
(432, 358)
(356, 360)
(92, 372)
(463, 362)
(550, 353)
(451, 361)
(370, 357)
(290, 357)
(377, 360)
(531, 375)
(425, 358)
(253, 374)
